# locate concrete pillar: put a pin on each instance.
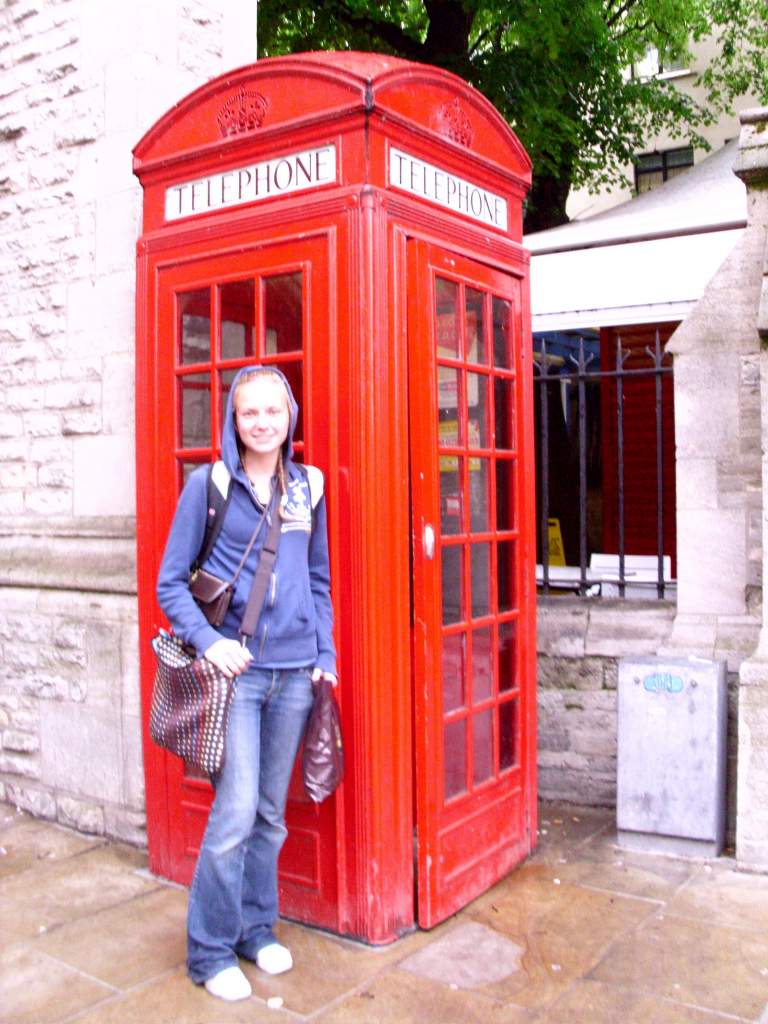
(752, 808)
(718, 469)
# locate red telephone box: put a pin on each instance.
(356, 220)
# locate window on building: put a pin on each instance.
(605, 462)
(652, 169)
(655, 63)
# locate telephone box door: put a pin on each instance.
(472, 624)
(214, 315)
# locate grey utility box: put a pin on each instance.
(672, 725)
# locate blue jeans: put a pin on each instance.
(233, 899)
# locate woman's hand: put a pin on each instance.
(318, 673)
(229, 656)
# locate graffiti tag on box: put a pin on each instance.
(663, 682)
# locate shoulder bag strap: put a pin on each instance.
(249, 548)
(264, 570)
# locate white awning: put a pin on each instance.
(630, 283)
(647, 260)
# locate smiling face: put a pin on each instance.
(262, 415)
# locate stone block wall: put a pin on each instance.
(579, 644)
(80, 83)
(70, 733)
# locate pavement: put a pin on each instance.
(582, 933)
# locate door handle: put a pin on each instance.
(429, 542)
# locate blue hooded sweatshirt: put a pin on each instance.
(296, 624)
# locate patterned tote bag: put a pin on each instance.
(191, 699)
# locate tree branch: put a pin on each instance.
(388, 32)
(483, 36)
(626, 6)
(639, 29)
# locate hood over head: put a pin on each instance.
(230, 452)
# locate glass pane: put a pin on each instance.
(446, 320)
(479, 504)
(187, 468)
(505, 494)
(476, 343)
(477, 402)
(482, 737)
(680, 157)
(454, 669)
(195, 410)
(225, 383)
(194, 311)
(502, 334)
(454, 764)
(294, 374)
(504, 398)
(673, 172)
(507, 734)
(451, 496)
(481, 579)
(283, 330)
(448, 390)
(482, 665)
(238, 326)
(650, 162)
(452, 568)
(507, 656)
(506, 575)
(647, 182)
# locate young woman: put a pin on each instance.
(233, 899)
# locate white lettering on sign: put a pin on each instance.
(446, 189)
(265, 180)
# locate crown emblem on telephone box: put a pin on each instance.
(243, 112)
(454, 123)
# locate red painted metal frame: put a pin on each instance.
(465, 843)
(357, 413)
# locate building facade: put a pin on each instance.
(664, 156)
(80, 86)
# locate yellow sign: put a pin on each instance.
(449, 435)
(556, 549)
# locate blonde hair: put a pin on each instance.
(256, 374)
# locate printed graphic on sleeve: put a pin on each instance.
(297, 511)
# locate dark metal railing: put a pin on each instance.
(582, 375)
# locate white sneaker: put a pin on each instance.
(274, 959)
(230, 984)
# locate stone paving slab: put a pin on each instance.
(712, 968)
(36, 989)
(592, 1002)
(24, 842)
(725, 897)
(582, 933)
(126, 944)
(173, 999)
(469, 956)
(400, 997)
(39, 899)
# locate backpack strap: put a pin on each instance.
(314, 478)
(218, 497)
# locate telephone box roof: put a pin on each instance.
(280, 96)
